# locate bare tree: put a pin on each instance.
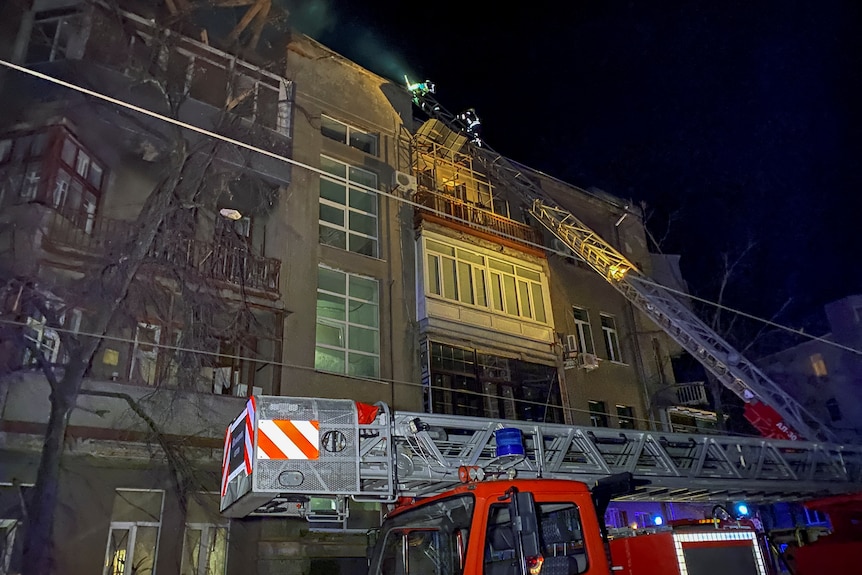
(192, 178)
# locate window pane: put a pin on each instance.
(118, 552)
(524, 297)
(328, 334)
(144, 559)
(497, 291)
(588, 340)
(333, 237)
(137, 506)
(217, 560)
(500, 266)
(363, 224)
(465, 284)
(449, 278)
(329, 359)
(364, 313)
(364, 201)
(362, 339)
(95, 176)
(524, 273)
(331, 306)
(333, 130)
(608, 321)
(538, 302)
(363, 288)
(362, 141)
(363, 245)
(580, 314)
(433, 282)
(333, 167)
(479, 283)
(191, 552)
(332, 191)
(331, 214)
(363, 177)
(510, 295)
(330, 280)
(68, 153)
(363, 365)
(439, 248)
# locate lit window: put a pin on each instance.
(45, 339)
(625, 416)
(612, 340)
(472, 278)
(348, 324)
(206, 537)
(347, 134)
(348, 215)
(583, 330)
(598, 413)
(818, 365)
(135, 521)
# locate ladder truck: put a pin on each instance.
(477, 496)
(772, 411)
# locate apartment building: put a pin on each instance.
(379, 263)
(823, 374)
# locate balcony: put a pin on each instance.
(469, 215)
(235, 265)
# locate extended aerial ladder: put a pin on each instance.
(281, 452)
(775, 413)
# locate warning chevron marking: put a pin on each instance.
(288, 439)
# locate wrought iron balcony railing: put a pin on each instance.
(236, 265)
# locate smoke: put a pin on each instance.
(349, 35)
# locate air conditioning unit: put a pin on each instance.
(404, 182)
(571, 344)
(588, 361)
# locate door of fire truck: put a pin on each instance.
(516, 527)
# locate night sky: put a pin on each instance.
(741, 121)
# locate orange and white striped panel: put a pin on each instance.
(288, 439)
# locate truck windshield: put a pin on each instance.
(430, 539)
(560, 536)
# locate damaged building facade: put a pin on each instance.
(347, 250)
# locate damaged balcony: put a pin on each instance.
(233, 264)
(451, 211)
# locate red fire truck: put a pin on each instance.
(473, 495)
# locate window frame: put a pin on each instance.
(348, 131)
(611, 336)
(584, 331)
(626, 416)
(347, 210)
(132, 527)
(209, 534)
(345, 324)
(599, 415)
(489, 286)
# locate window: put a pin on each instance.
(560, 538)
(206, 537)
(642, 519)
(426, 540)
(135, 522)
(625, 416)
(471, 278)
(30, 189)
(348, 215)
(44, 338)
(583, 330)
(818, 365)
(612, 340)
(348, 332)
(616, 518)
(347, 134)
(5, 150)
(56, 35)
(598, 413)
(145, 354)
